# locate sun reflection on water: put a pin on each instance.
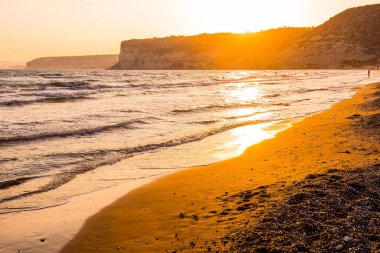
(243, 93)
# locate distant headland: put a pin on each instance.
(73, 62)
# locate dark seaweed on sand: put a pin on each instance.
(370, 125)
(337, 211)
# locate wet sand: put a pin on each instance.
(193, 210)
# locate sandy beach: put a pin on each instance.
(194, 209)
(189, 126)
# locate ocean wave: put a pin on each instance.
(70, 133)
(300, 91)
(7, 91)
(246, 115)
(272, 95)
(57, 94)
(205, 122)
(13, 182)
(165, 144)
(57, 99)
(50, 75)
(129, 111)
(301, 100)
(67, 84)
(213, 107)
(43, 85)
(110, 156)
(282, 104)
(6, 160)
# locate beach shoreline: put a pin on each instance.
(189, 210)
(46, 230)
(49, 229)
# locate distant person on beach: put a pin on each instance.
(369, 73)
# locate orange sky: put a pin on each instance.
(35, 28)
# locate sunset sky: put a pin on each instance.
(35, 28)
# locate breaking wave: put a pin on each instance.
(76, 132)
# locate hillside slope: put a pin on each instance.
(73, 62)
(350, 39)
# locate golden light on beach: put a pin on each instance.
(189, 126)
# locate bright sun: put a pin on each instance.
(245, 15)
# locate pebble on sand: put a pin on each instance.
(347, 238)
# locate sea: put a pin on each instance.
(65, 134)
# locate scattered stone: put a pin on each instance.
(336, 177)
(195, 217)
(372, 105)
(298, 198)
(317, 215)
(355, 116)
(261, 187)
(181, 216)
(243, 207)
(347, 238)
(312, 176)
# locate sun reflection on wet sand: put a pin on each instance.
(243, 137)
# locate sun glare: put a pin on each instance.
(243, 93)
(245, 15)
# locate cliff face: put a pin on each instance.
(73, 62)
(147, 58)
(350, 39)
(207, 51)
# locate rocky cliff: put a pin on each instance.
(351, 39)
(207, 51)
(159, 55)
(74, 62)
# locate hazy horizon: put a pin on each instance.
(82, 27)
